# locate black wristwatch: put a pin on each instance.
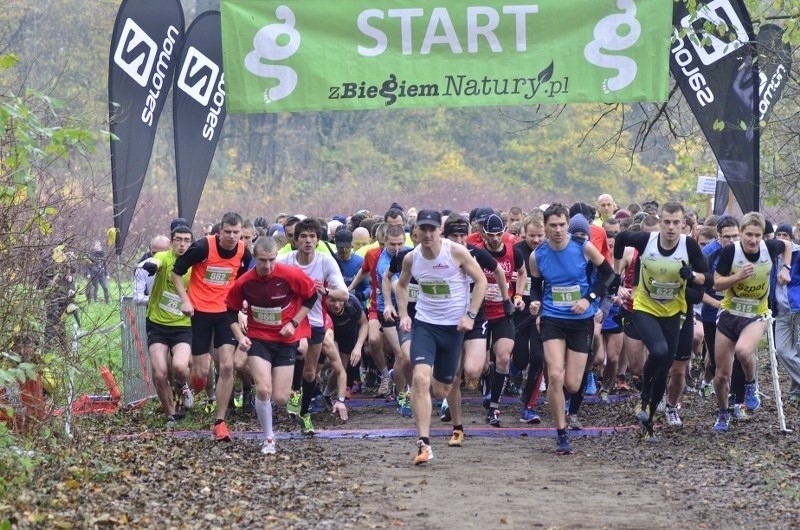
(592, 296)
(472, 314)
(295, 323)
(788, 267)
(340, 399)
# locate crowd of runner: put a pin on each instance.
(305, 313)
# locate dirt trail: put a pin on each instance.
(504, 483)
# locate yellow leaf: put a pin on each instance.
(111, 236)
(72, 484)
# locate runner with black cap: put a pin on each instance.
(500, 306)
(444, 312)
(474, 352)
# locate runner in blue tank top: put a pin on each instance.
(560, 289)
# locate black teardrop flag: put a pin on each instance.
(144, 49)
(198, 109)
(718, 76)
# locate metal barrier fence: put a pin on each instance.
(136, 380)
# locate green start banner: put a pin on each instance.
(312, 55)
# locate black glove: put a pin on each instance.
(686, 272)
(508, 307)
(150, 267)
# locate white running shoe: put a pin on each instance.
(188, 397)
(673, 419)
(268, 447)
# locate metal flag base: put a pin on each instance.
(776, 384)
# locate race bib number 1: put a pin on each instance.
(434, 289)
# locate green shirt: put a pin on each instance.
(164, 307)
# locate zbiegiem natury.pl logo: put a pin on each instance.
(615, 33)
(266, 47)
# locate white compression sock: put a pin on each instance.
(264, 412)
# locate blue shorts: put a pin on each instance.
(437, 346)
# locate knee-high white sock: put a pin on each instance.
(264, 412)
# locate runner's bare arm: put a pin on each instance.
(401, 293)
(389, 311)
(363, 332)
(500, 276)
(464, 259)
(784, 276)
(522, 280)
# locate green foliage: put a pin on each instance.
(37, 272)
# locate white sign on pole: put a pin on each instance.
(707, 185)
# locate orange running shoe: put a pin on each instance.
(424, 453)
(220, 432)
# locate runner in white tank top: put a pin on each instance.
(444, 313)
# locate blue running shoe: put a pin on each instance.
(723, 422)
(404, 405)
(315, 407)
(591, 385)
(444, 412)
(647, 434)
(529, 416)
(751, 399)
(493, 417)
(563, 447)
(641, 410)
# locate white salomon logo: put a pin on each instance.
(198, 76)
(266, 46)
(607, 37)
(136, 52)
(718, 13)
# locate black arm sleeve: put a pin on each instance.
(196, 253)
(537, 288)
(699, 262)
(485, 260)
(246, 259)
(605, 275)
(396, 263)
(696, 257)
(725, 261)
(637, 240)
(309, 303)
(775, 247)
(519, 259)
(232, 316)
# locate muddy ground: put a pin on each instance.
(128, 470)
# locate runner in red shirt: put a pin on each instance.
(277, 298)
